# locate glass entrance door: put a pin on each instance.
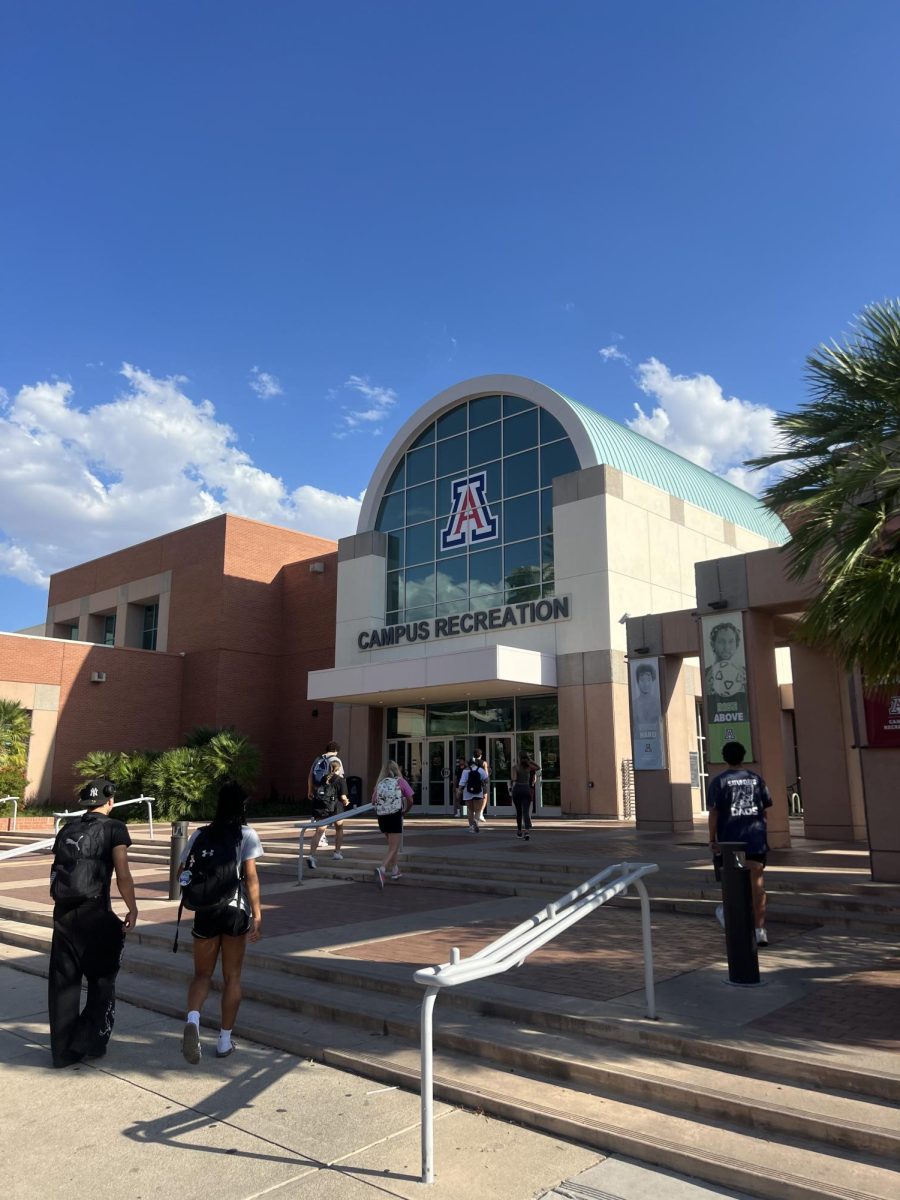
(439, 766)
(499, 756)
(408, 757)
(548, 786)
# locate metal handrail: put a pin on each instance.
(341, 816)
(45, 844)
(14, 800)
(148, 800)
(511, 950)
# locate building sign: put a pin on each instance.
(725, 684)
(883, 716)
(648, 748)
(471, 520)
(506, 616)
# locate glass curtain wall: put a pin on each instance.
(507, 451)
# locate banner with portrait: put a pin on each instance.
(648, 747)
(725, 696)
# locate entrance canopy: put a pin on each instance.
(477, 673)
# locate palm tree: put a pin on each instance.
(840, 493)
(15, 734)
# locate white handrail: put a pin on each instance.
(511, 950)
(341, 816)
(17, 850)
(14, 800)
(148, 800)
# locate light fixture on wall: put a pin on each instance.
(317, 567)
(717, 604)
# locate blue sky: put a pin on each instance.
(296, 223)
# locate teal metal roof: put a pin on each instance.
(618, 446)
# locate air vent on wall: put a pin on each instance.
(98, 677)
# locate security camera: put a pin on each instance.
(624, 617)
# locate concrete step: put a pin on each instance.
(719, 1092)
(711, 1150)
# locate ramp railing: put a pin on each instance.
(511, 950)
(341, 816)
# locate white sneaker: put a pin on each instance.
(311, 863)
(762, 938)
(720, 914)
(337, 856)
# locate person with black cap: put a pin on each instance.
(88, 937)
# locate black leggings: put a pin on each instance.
(522, 800)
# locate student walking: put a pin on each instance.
(219, 867)
(392, 799)
(737, 801)
(88, 937)
(329, 798)
(482, 763)
(524, 773)
(474, 783)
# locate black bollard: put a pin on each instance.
(737, 901)
(176, 854)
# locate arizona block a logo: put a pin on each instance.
(471, 520)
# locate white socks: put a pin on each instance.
(224, 1042)
(194, 1016)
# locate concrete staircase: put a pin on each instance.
(786, 1125)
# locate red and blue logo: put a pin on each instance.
(471, 520)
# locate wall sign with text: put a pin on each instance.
(506, 616)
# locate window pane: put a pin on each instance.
(515, 404)
(485, 572)
(420, 466)
(493, 489)
(425, 438)
(450, 607)
(420, 543)
(550, 427)
(448, 718)
(484, 444)
(547, 510)
(405, 722)
(394, 551)
(452, 422)
(445, 495)
(419, 588)
(547, 569)
(452, 576)
(109, 630)
(451, 456)
(520, 433)
(412, 615)
(521, 517)
(523, 567)
(394, 590)
(559, 458)
(392, 618)
(390, 514)
(537, 712)
(490, 716)
(520, 473)
(398, 479)
(484, 410)
(420, 503)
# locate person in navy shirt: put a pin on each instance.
(737, 801)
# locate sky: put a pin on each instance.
(241, 244)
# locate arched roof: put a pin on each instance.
(597, 440)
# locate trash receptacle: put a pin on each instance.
(354, 790)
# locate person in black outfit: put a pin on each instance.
(524, 774)
(88, 937)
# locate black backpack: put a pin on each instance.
(474, 783)
(211, 878)
(325, 795)
(82, 865)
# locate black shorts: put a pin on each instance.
(233, 921)
(322, 814)
(760, 858)
(391, 822)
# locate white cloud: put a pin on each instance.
(612, 353)
(76, 484)
(693, 417)
(265, 384)
(379, 402)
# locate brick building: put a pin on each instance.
(217, 624)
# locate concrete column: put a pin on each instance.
(663, 799)
(357, 729)
(593, 732)
(764, 701)
(829, 770)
